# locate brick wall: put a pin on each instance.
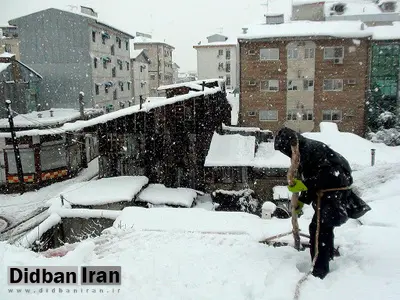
(351, 101)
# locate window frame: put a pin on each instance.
(93, 36)
(269, 85)
(268, 120)
(268, 57)
(293, 50)
(334, 57)
(331, 113)
(294, 85)
(333, 85)
(309, 51)
(308, 86)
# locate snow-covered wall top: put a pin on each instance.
(339, 29)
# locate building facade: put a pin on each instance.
(160, 54)
(140, 75)
(9, 41)
(20, 84)
(218, 58)
(291, 79)
(175, 76)
(370, 12)
(75, 52)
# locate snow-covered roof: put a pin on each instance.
(388, 32)
(7, 55)
(146, 40)
(230, 42)
(230, 150)
(101, 191)
(147, 106)
(60, 116)
(338, 29)
(4, 66)
(136, 53)
(197, 85)
(30, 69)
(244, 129)
(267, 157)
(158, 194)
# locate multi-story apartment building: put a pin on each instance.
(371, 12)
(9, 41)
(218, 58)
(76, 52)
(175, 68)
(160, 54)
(300, 73)
(140, 75)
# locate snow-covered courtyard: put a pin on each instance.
(168, 253)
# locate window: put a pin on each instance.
(269, 54)
(228, 67)
(297, 115)
(309, 53)
(127, 66)
(121, 85)
(228, 54)
(97, 89)
(7, 48)
(220, 52)
(220, 66)
(115, 94)
(228, 80)
(106, 88)
(112, 50)
(251, 113)
(331, 115)
(104, 64)
(293, 53)
(103, 40)
(152, 76)
(308, 84)
(268, 115)
(95, 62)
(333, 84)
(333, 52)
(292, 85)
(114, 72)
(94, 36)
(127, 45)
(129, 85)
(270, 85)
(119, 42)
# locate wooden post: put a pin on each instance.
(16, 148)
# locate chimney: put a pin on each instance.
(245, 30)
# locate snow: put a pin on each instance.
(244, 129)
(389, 32)
(359, 154)
(85, 213)
(195, 254)
(4, 66)
(60, 116)
(37, 232)
(230, 42)
(191, 84)
(102, 191)
(339, 29)
(234, 193)
(234, 101)
(79, 125)
(230, 150)
(267, 157)
(328, 127)
(281, 192)
(6, 55)
(158, 194)
(135, 53)
(145, 40)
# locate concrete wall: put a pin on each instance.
(56, 45)
(139, 75)
(102, 75)
(312, 12)
(208, 61)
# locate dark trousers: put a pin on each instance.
(325, 247)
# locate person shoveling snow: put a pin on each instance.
(326, 179)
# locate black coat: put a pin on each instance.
(323, 168)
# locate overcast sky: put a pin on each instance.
(182, 23)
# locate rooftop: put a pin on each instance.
(146, 40)
(389, 32)
(204, 43)
(337, 29)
